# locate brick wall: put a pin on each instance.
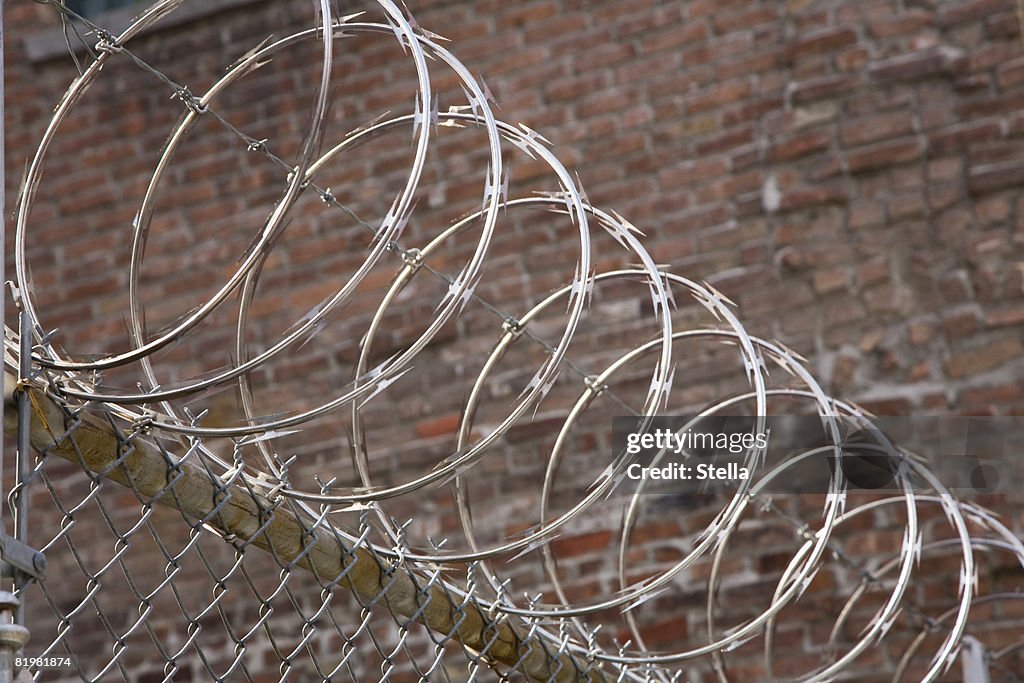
(849, 172)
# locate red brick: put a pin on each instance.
(886, 300)
(872, 128)
(853, 59)
(974, 10)
(979, 359)
(826, 40)
(961, 324)
(800, 145)
(993, 177)
(992, 210)
(872, 272)
(864, 214)
(601, 56)
(928, 63)
(905, 23)
(669, 631)
(906, 206)
(688, 33)
(968, 85)
(745, 19)
(718, 95)
(942, 196)
(992, 54)
(439, 426)
(829, 281)
(821, 88)
(748, 65)
(958, 137)
(1010, 74)
(726, 141)
(803, 198)
(751, 109)
(518, 15)
(998, 395)
(584, 544)
(712, 50)
(956, 287)
(1005, 317)
(875, 157)
(921, 331)
(945, 169)
(574, 87)
(990, 105)
(887, 406)
(692, 171)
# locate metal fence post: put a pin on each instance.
(13, 638)
(973, 662)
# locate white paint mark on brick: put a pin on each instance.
(771, 197)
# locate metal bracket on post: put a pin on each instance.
(15, 556)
